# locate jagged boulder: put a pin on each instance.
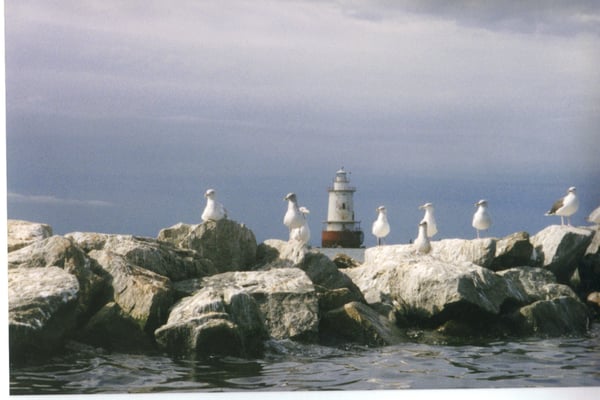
(23, 233)
(143, 295)
(234, 312)
(425, 289)
(514, 250)
(156, 256)
(477, 251)
(357, 322)
(57, 251)
(230, 246)
(560, 248)
(558, 316)
(324, 274)
(42, 310)
(531, 284)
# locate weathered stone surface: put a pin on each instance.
(234, 312)
(57, 251)
(42, 310)
(477, 251)
(323, 272)
(229, 245)
(345, 261)
(512, 251)
(113, 329)
(23, 233)
(159, 257)
(357, 322)
(530, 284)
(559, 248)
(555, 317)
(142, 294)
(426, 289)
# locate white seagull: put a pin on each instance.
(565, 206)
(293, 218)
(214, 210)
(594, 216)
(302, 234)
(429, 218)
(422, 244)
(481, 219)
(381, 226)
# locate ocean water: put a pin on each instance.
(288, 366)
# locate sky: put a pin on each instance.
(120, 115)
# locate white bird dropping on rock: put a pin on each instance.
(302, 234)
(429, 218)
(381, 227)
(214, 210)
(594, 216)
(422, 244)
(293, 218)
(481, 219)
(565, 206)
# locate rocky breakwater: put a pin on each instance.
(206, 289)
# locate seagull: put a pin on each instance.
(594, 216)
(422, 245)
(565, 206)
(293, 218)
(429, 218)
(214, 210)
(302, 234)
(481, 219)
(381, 226)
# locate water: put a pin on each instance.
(289, 366)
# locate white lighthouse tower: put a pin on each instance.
(341, 229)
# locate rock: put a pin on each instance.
(477, 251)
(23, 233)
(43, 305)
(594, 299)
(556, 317)
(424, 289)
(512, 251)
(323, 272)
(115, 330)
(153, 255)
(57, 251)
(143, 295)
(345, 261)
(234, 312)
(530, 284)
(229, 245)
(357, 322)
(559, 248)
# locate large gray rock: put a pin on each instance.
(153, 255)
(514, 250)
(234, 312)
(477, 251)
(427, 289)
(357, 322)
(556, 317)
(229, 245)
(560, 248)
(23, 233)
(322, 271)
(143, 295)
(42, 305)
(57, 251)
(531, 284)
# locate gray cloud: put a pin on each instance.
(53, 200)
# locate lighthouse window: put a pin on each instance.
(343, 206)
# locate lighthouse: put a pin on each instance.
(341, 229)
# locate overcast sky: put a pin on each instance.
(120, 114)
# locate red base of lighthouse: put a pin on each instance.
(345, 239)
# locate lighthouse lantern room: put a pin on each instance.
(341, 229)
